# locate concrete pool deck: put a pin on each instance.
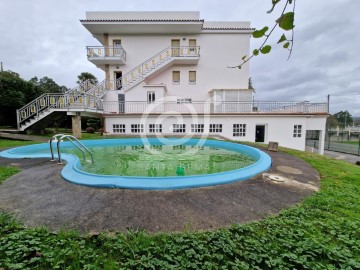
(38, 196)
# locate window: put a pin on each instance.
(176, 77)
(179, 128)
(137, 128)
(192, 77)
(183, 100)
(155, 128)
(192, 45)
(117, 47)
(297, 131)
(197, 128)
(118, 128)
(215, 128)
(150, 96)
(239, 130)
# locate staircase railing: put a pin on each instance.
(138, 73)
(87, 96)
(106, 85)
(81, 88)
(145, 68)
(57, 101)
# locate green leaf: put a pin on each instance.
(283, 38)
(260, 33)
(274, 2)
(266, 49)
(256, 52)
(244, 57)
(286, 45)
(286, 21)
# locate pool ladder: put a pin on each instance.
(74, 141)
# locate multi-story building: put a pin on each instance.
(167, 73)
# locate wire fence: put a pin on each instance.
(344, 141)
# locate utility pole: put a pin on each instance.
(328, 103)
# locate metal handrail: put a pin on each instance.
(71, 139)
(106, 51)
(213, 107)
(51, 148)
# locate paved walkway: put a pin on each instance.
(23, 137)
(38, 196)
(342, 156)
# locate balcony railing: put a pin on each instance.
(196, 107)
(101, 53)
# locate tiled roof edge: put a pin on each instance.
(227, 28)
(145, 20)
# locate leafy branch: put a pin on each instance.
(285, 22)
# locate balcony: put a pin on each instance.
(198, 107)
(101, 56)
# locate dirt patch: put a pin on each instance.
(38, 196)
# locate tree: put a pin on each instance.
(47, 85)
(16, 92)
(251, 84)
(344, 118)
(285, 22)
(332, 122)
(84, 76)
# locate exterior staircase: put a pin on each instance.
(87, 97)
(75, 99)
(155, 64)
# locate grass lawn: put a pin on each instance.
(6, 172)
(320, 233)
(5, 143)
(85, 135)
(349, 142)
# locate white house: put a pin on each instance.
(166, 73)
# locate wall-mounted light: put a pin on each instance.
(184, 38)
(117, 67)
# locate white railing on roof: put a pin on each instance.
(139, 107)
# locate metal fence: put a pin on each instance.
(343, 141)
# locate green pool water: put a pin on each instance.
(162, 160)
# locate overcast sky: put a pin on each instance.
(45, 38)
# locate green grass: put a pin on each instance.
(6, 172)
(5, 143)
(85, 135)
(350, 142)
(320, 233)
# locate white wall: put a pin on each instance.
(278, 128)
(217, 52)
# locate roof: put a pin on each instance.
(142, 20)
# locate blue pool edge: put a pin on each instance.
(72, 170)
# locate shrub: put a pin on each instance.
(90, 130)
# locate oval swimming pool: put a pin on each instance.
(135, 164)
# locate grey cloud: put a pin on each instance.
(45, 38)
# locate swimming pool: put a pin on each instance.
(155, 164)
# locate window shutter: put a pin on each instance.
(192, 42)
(192, 76)
(176, 76)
